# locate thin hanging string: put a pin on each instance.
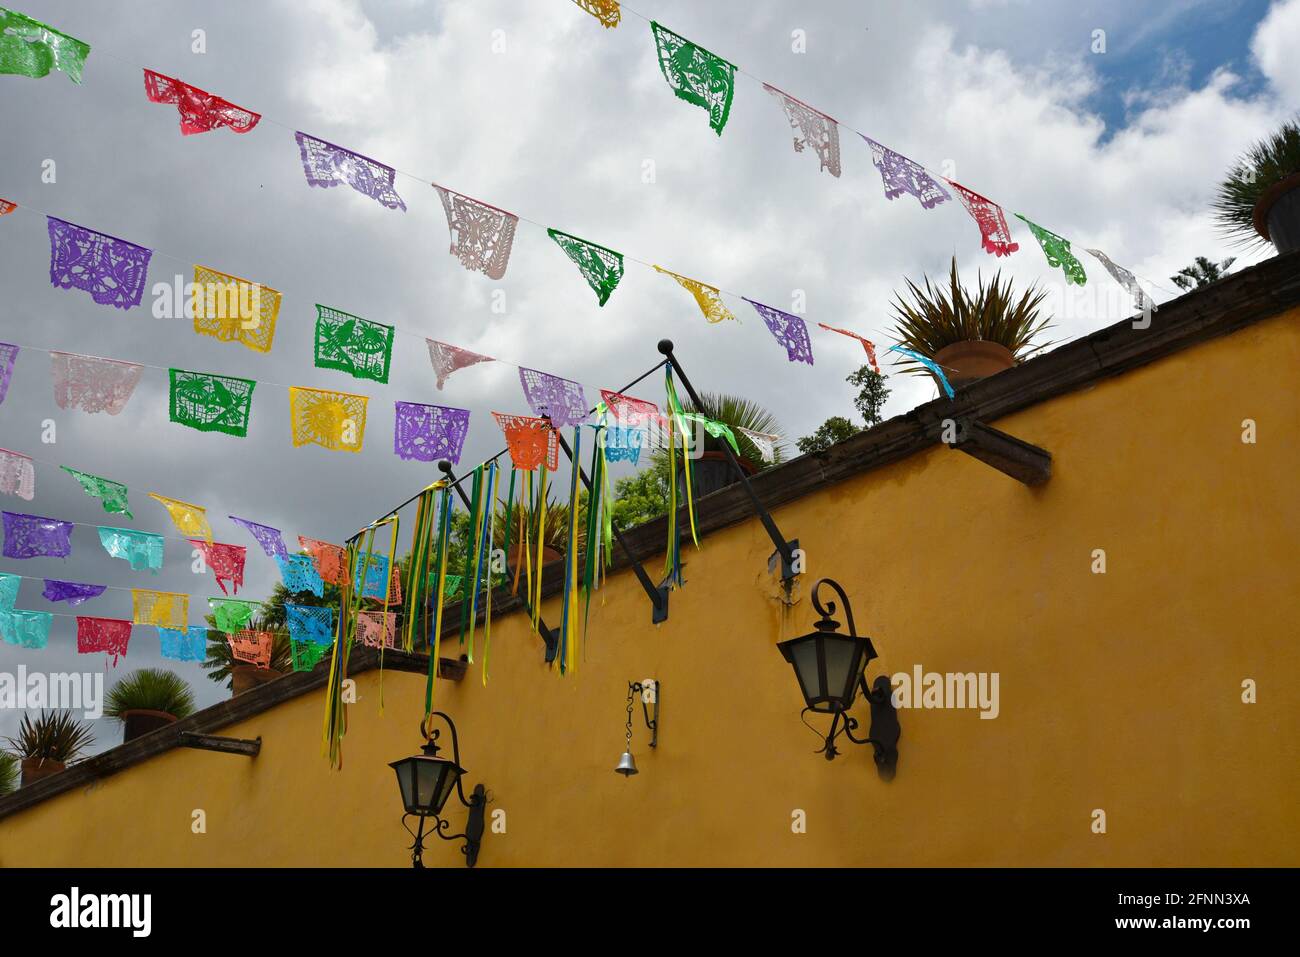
(423, 180)
(60, 467)
(428, 181)
(741, 70)
(191, 263)
(159, 591)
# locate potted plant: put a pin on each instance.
(241, 676)
(554, 536)
(9, 771)
(48, 744)
(1259, 201)
(148, 699)
(969, 335)
(712, 470)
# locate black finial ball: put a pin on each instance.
(666, 346)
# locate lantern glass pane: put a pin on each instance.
(840, 655)
(804, 654)
(406, 781)
(448, 782)
(428, 781)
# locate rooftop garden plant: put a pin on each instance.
(150, 689)
(1259, 200)
(49, 743)
(9, 768)
(942, 321)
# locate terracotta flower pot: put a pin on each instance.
(245, 677)
(517, 560)
(36, 768)
(1277, 214)
(975, 359)
(138, 721)
(712, 472)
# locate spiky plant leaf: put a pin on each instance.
(150, 689)
(10, 771)
(941, 315)
(1267, 162)
(54, 736)
(739, 413)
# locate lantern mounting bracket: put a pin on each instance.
(477, 803)
(649, 692)
(827, 693)
(883, 734)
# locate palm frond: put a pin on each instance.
(221, 660)
(739, 412)
(1267, 162)
(150, 689)
(10, 768)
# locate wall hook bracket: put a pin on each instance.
(1009, 455)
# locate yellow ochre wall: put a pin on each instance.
(1119, 691)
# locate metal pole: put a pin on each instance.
(774, 533)
(658, 595)
(398, 508)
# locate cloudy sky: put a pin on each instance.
(534, 107)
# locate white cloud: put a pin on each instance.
(1276, 42)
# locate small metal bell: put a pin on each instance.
(626, 765)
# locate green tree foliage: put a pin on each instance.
(833, 430)
(870, 402)
(872, 393)
(642, 497)
(1201, 272)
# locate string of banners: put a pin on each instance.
(482, 234)
(310, 628)
(231, 309)
(532, 444)
(329, 419)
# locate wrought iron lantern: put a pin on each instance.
(426, 782)
(831, 666)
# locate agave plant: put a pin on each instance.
(937, 317)
(54, 736)
(1265, 164)
(221, 661)
(555, 534)
(9, 771)
(150, 689)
